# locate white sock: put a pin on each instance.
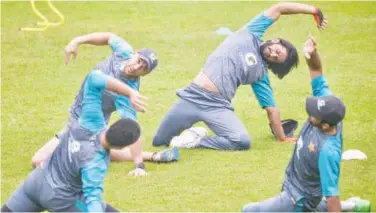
(347, 206)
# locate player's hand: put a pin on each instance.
(71, 49)
(288, 140)
(321, 21)
(138, 101)
(138, 172)
(309, 47)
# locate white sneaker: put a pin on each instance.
(189, 138)
(353, 199)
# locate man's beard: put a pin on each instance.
(319, 126)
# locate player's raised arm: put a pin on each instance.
(117, 44)
(99, 38)
(286, 8)
(318, 82)
(312, 58)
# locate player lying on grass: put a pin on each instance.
(71, 179)
(314, 169)
(241, 59)
(127, 66)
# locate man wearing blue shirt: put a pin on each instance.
(128, 66)
(241, 59)
(314, 169)
(71, 179)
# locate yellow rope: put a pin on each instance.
(45, 22)
(58, 13)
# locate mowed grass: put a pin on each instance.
(37, 90)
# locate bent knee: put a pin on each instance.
(243, 142)
(160, 141)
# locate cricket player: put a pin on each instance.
(243, 58)
(314, 169)
(71, 179)
(127, 66)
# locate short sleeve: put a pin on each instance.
(120, 47)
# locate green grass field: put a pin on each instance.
(37, 90)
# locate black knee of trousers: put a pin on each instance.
(158, 141)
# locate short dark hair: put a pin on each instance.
(292, 60)
(123, 132)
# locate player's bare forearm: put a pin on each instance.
(136, 152)
(275, 120)
(286, 8)
(312, 58)
(98, 38)
(137, 100)
(314, 63)
(119, 87)
(334, 204)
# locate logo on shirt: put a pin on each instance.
(311, 147)
(73, 147)
(250, 59)
(320, 103)
(299, 145)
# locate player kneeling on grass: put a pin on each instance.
(127, 66)
(71, 179)
(314, 169)
(243, 58)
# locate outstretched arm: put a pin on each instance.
(136, 152)
(275, 121)
(279, 9)
(263, 21)
(312, 58)
(319, 85)
(97, 79)
(92, 115)
(118, 45)
(100, 38)
(264, 95)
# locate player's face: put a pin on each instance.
(136, 66)
(275, 52)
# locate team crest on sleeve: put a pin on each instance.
(250, 59)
